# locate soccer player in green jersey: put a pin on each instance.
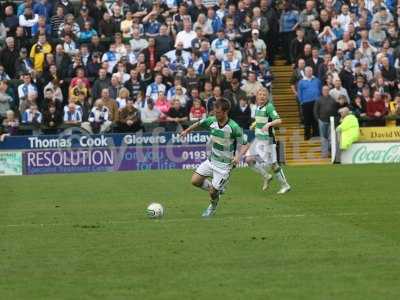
(226, 137)
(261, 156)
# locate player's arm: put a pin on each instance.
(190, 129)
(242, 145)
(204, 123)
(273, 123)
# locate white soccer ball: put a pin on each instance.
(155, 210)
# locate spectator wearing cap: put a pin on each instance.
(84, 17)
(348, 129)
(259, 44)
(309, 91)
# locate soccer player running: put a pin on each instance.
(261, 156)
(226, 137)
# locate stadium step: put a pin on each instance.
(297, 151)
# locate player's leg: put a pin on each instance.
(219, 180)
(200, 176)
(256, 161)
(280, 176)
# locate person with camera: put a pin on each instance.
(38, 53)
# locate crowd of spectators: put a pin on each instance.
(127, 65)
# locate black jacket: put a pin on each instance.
(7, 59)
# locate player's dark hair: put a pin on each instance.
(223, 104)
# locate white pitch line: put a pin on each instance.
(216, 218)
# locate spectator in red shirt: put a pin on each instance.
(376, 110)
(80, 76)
(197, 112)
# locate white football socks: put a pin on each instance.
(280, 176)
(259, 168)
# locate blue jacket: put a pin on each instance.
(288, 20)
(309, 90)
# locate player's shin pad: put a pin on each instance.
(280, 176)
(260, 168)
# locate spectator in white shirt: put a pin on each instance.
(111, 57)
(259, 44)
(230, 64)
(186, 36)
(72, 114)
(150, 114)
(28, 20)
(26, 87)
(220, 45)
(338, 91)
(171, 55)
(344, 18)
(98, 119)
(155, 88)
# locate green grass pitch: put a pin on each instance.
(336, 235)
